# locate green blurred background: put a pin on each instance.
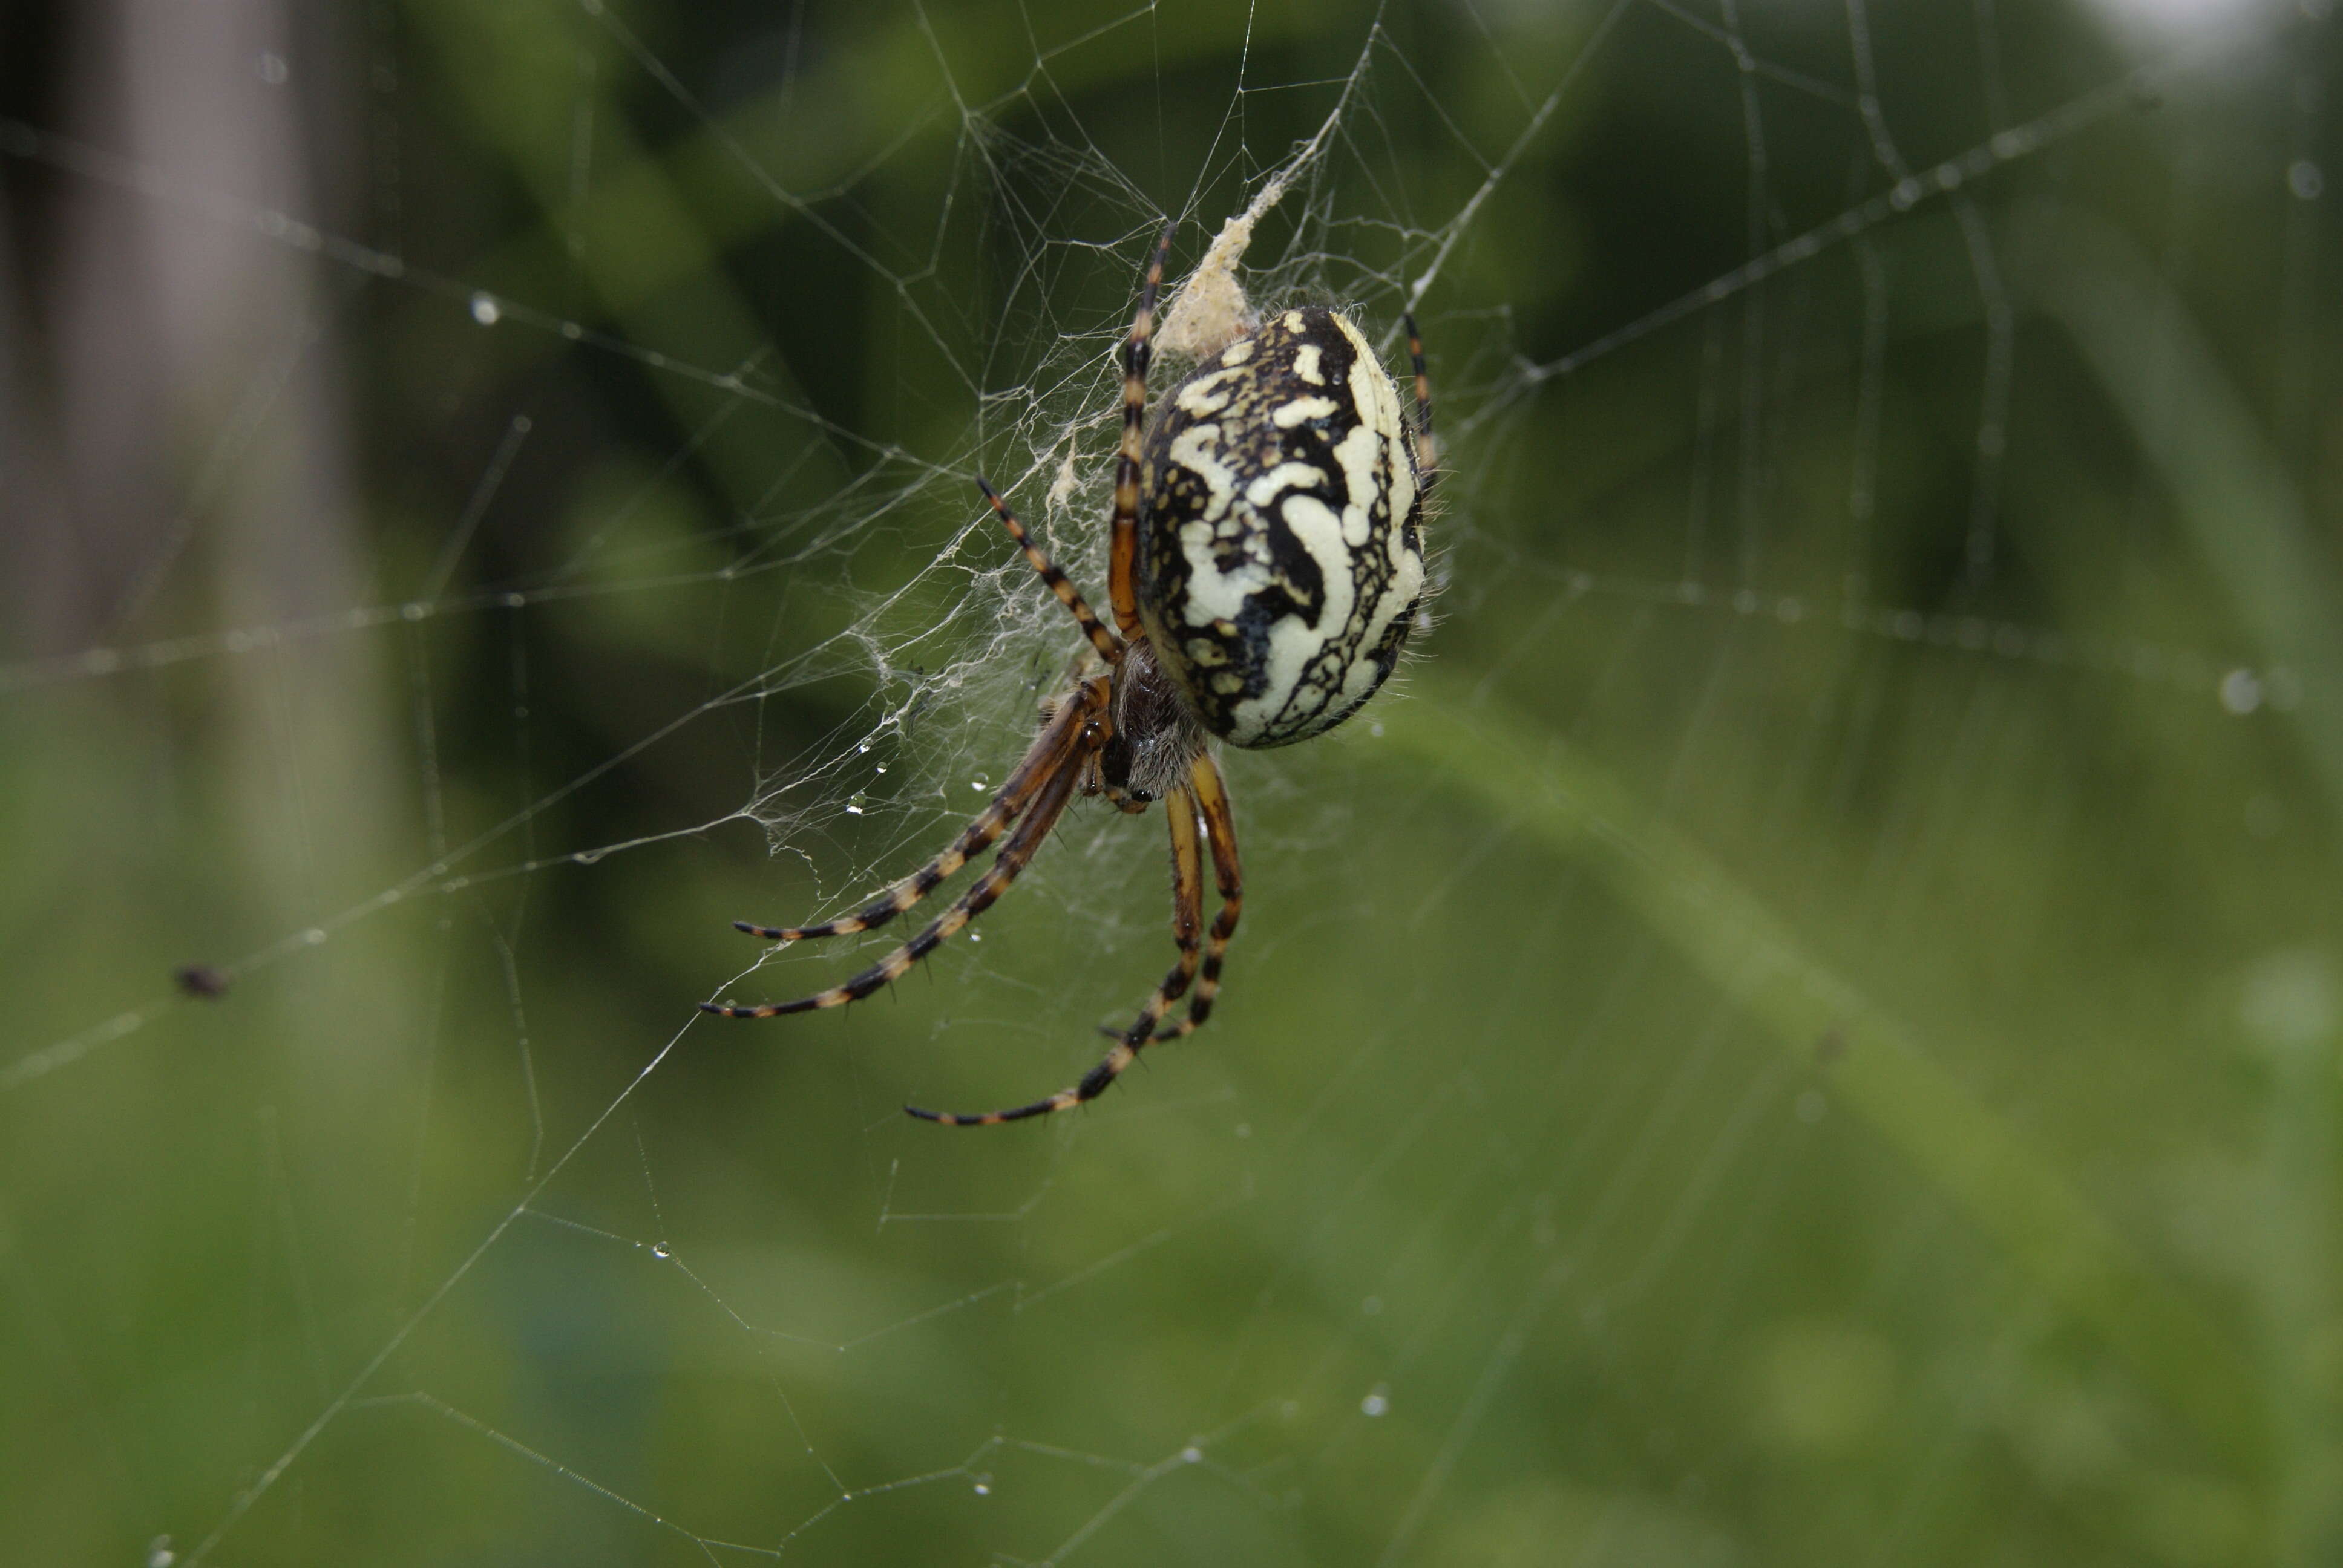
(1803, 1030)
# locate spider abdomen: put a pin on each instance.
(1281, 558)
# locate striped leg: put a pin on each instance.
(1187, 916)
(1427, 455)
(1221, 833)
(1220, 829)
(1048, 752)
(1014, 857)
(1123, 553)
(1109, 647)
(1187, 919)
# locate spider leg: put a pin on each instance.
(1427, 455)
(1014, 857)
(1221, 833)
(1187, 916)
(1049, 751)
(1220, 829)
(1123, 553)
(1109, 647)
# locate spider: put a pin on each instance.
(1264, 570)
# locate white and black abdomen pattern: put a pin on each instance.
(1280, 557)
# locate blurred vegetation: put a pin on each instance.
(1803, 1031)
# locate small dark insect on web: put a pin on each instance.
(201, 980)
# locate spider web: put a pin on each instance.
(1803, 1029)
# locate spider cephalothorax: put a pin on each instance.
(1264, 570)
(1158, 733)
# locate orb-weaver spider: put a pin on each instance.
(1264, 570)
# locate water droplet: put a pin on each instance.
(588, 857)
(159, 1553)
(272, 69)
(572, 331)
(976, 936)
(1378, 1401)
(864, 747)
(984, 1489)
(483, 309)
(2305, 179)
(659, 1250)
(1191, 1454)
(976, 784)
(882, 768)
(2241, 691)
(314, 936)
(854, 807)
(1244, 1128)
